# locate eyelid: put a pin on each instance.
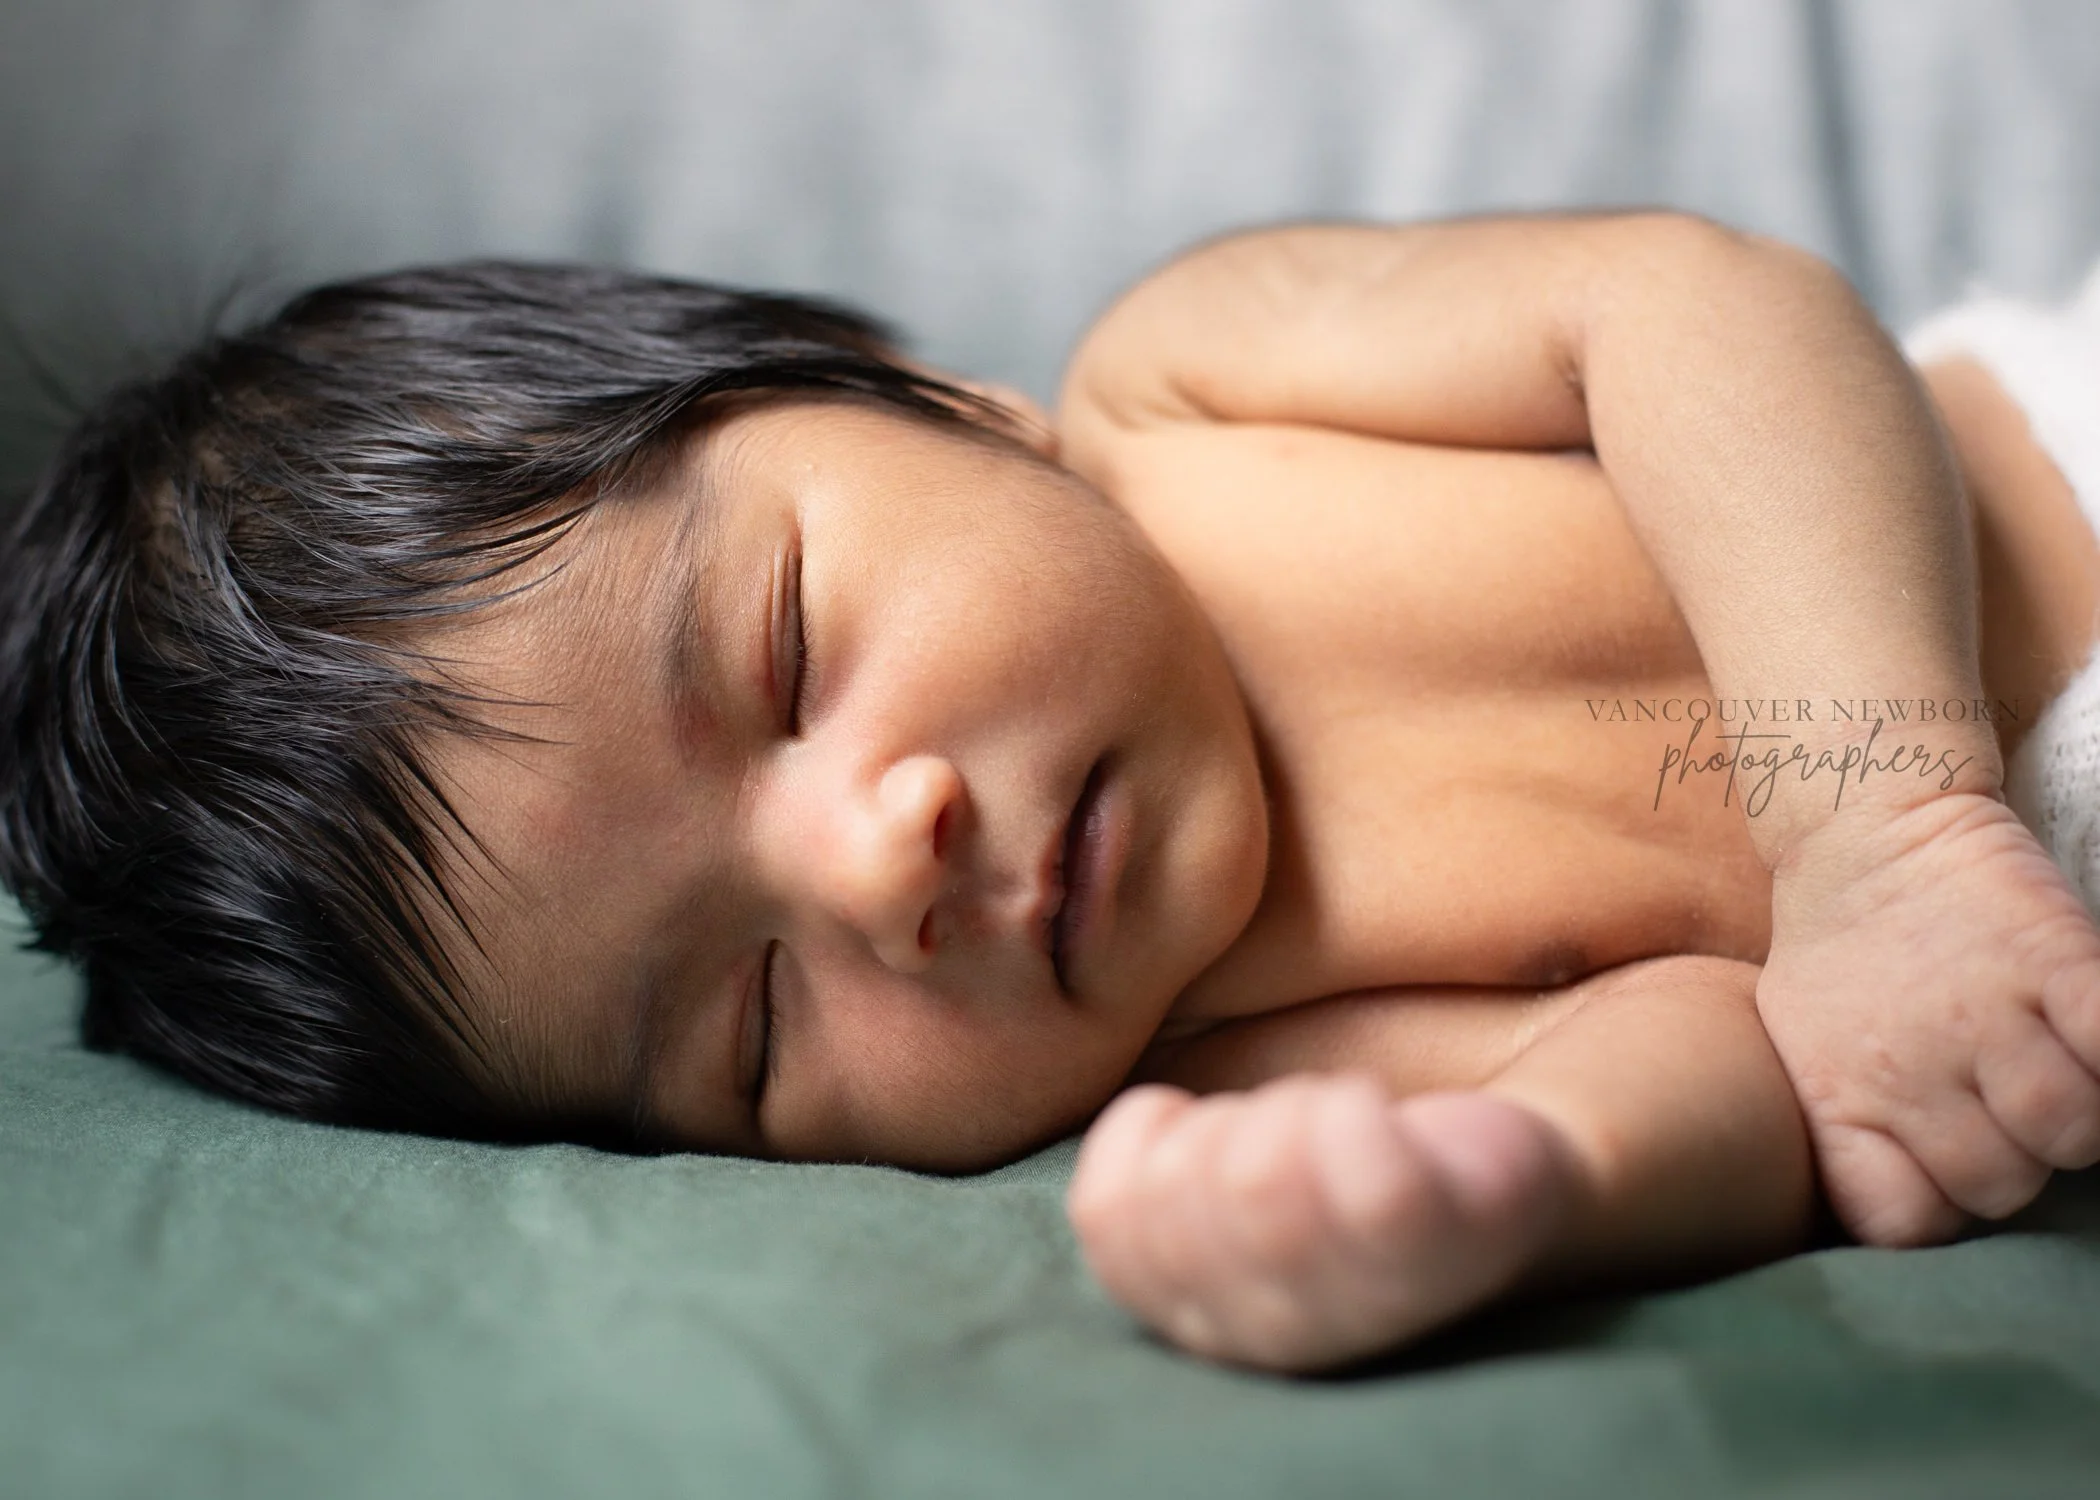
(798, 625)
(790, 641)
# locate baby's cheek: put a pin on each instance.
(912, 1088)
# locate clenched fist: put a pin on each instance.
(1934, 991)
(1316, 1219)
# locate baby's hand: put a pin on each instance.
(1315, 1219)
(1933, 989)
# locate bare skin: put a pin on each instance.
(1468, 996)
(1261, 1226)
(1681, 882)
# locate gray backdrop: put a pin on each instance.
(985, 172)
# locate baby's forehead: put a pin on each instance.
(778, 439)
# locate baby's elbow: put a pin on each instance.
(1671, 258)
(1708, 247)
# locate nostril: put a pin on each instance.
(926, 932)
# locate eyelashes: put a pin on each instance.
(797, 633)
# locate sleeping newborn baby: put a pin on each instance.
(1467, 757)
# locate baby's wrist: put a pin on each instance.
(1847, 790)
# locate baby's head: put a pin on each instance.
(541, 702)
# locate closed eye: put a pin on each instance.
(795, 640)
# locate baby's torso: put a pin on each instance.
(1475, 699)
(1464, 675)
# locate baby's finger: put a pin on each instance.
(1260, 1217)
(1371, 1181)
(1879, 1191)
(1307, 1280)
(1116, 1211)
(2071, 1002)
(1265, 1173)
(1183, 1271)
(1103, 1199)
(1971, 1160)
(2042, 1097)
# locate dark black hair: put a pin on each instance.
(211, 791)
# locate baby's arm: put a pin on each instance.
(1650, 1131)
(1933, 985)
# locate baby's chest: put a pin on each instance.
(1358, 565)
(1470, 684)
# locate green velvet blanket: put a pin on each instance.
(199, 1299)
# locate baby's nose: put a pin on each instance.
(889, 868)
